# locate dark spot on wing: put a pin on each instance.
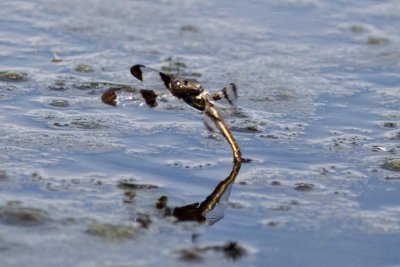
(136, 71)
(233, 88)
(109, 97)
(149, 97)
(166, 79)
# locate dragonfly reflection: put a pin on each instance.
(203, 212)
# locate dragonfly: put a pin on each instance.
(188, 90)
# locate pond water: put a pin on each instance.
(86, 184)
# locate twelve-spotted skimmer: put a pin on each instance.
(189, 91)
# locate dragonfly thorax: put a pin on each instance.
(184, 88)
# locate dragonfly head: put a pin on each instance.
(188, 87)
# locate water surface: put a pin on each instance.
(317, 114)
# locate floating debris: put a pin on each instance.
(246, 129)
(59, 103)
(143, 220)
(15, 214)
(390, 124)
(272, 223)
(111, 231)
(357, 28)
(304, 187)
(57, 124)
(56, 59)
(13, 76)
(190, 255)
(189, 164)
(378, 149)
(189, 28)
(84, 68)
(125, 184)
(269, 136)
(377, 41)
(392, 178)
(130, 187)
(280, 208)
(392, 164)
(162, 202)
(275, 183)
(129, 196)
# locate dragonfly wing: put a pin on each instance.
(227, 94)
(209, 123)
(152, 79)
(216, 110)
(123, 96)
(225, 99)
(119, 96)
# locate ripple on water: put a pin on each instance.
(20, 139)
